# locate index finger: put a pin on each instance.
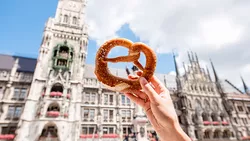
(159, 87)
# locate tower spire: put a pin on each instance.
(208, 73)
(215, 74)
(189, 57)
(245, 86)
(176, 66)
(197, 60)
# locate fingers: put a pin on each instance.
(159, 87)
(149, 90)
(135, 99)
(141, 94)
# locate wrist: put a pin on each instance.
(174, 134)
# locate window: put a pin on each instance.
(125, 100)
(108, 99)
(66, 19)
(108, 130)
(206, 135)
(235, 120)
(74, 20)
(87, 97)
(248, 108)
(8, 130)
(19, 94)
(126, 115)
(126, 130)
(1, 90)
(14, 112)
(89, 114)
(89, 130)
(216, 134)
(92, 99)
(108, 114)
(240, 108)
(105, 114)
(244, 120)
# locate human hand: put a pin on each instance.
(155, 99)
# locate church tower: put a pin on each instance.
(52, 109)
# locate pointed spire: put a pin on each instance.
(192, 55)
(215, 74)
(208, 73)
(127, 70)
(176, 66)
(197, 60)
(245, 86)
(184, 67)
(189, 57)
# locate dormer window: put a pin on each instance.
(62, 56)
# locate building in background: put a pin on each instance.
(57, 97)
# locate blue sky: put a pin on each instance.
(22, 27)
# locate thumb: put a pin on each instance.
(149, 90)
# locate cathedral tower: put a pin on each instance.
(55, 94)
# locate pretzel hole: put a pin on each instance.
(119, 68)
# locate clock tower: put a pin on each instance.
(52, 110)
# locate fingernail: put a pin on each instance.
(143, 81)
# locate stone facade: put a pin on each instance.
(57, 97)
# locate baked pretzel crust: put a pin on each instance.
(116, 83)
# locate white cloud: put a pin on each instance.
(214, 29)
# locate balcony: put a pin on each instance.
(7, 137)
(224, 123)
(216, 123)
(55, 94)
(110, 136)
(84, 136)
(206, 122)
(53, 113)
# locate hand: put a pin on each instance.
(155, 99)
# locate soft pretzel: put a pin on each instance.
(116, 83)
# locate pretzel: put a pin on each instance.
(116, 83)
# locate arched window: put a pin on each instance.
(74, 20)
(57, 88)
(205, 116)
(66, 19)
(207, 134)
(216, 133)
(226, 134)
(215, 105)
(214, 117)
(49, 131)
(53, 107)
(207, 105)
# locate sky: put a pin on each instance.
(212, 29)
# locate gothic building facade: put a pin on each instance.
(57, 97)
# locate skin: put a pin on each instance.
(159, 108)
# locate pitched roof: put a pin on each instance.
(24, 64)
